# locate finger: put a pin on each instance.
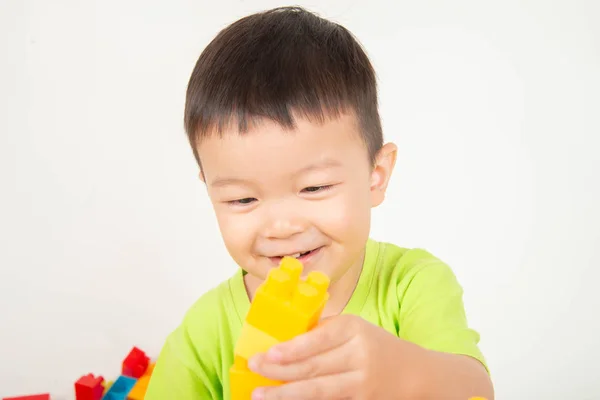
(337, 360)
(329, 335)
(330, 387)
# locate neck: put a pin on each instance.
(342, 289)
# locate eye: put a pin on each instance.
(242, 202)
(314, 189)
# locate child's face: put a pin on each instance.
(278, 193)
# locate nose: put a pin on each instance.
(282, 221)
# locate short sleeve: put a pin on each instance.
(190, 364)
(432, 312)
(174, 378)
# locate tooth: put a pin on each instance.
(295, 255)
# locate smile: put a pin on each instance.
(303, 257)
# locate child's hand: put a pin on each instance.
(343, 358)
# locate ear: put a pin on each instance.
(382, 171)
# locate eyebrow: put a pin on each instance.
(322, 164)
(319, 165)
(220, 182)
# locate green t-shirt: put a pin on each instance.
(407, 292)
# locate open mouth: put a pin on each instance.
(305, 256)
(298, 255)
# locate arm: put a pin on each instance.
(454, 376)
(349, 358)
(433, 321)
(346, 357)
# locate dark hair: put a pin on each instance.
(279, 63)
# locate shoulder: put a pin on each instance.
(414, 281)
(195, 357)
(427, 300)
(403, 265)
(208, 327)
(213, 307)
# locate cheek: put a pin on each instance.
(238, 241)
(346, 214)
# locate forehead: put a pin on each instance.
(269, 149)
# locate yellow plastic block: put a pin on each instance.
(284, 306)
(150, 368)
(252, 341)
(243, 381)
(139, 389)
(107, 385)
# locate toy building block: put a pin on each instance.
(107, 386)
(120, 389)
(283, 307)
(44, 396)
(135, 364)
(150, 368)
(139, 390)
(89, 387)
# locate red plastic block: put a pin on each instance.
(89, 387)
(44, 396)
(135, 364)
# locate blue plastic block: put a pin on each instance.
(120, 389)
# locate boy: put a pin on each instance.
(282, 117)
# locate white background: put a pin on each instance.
(107, 235)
